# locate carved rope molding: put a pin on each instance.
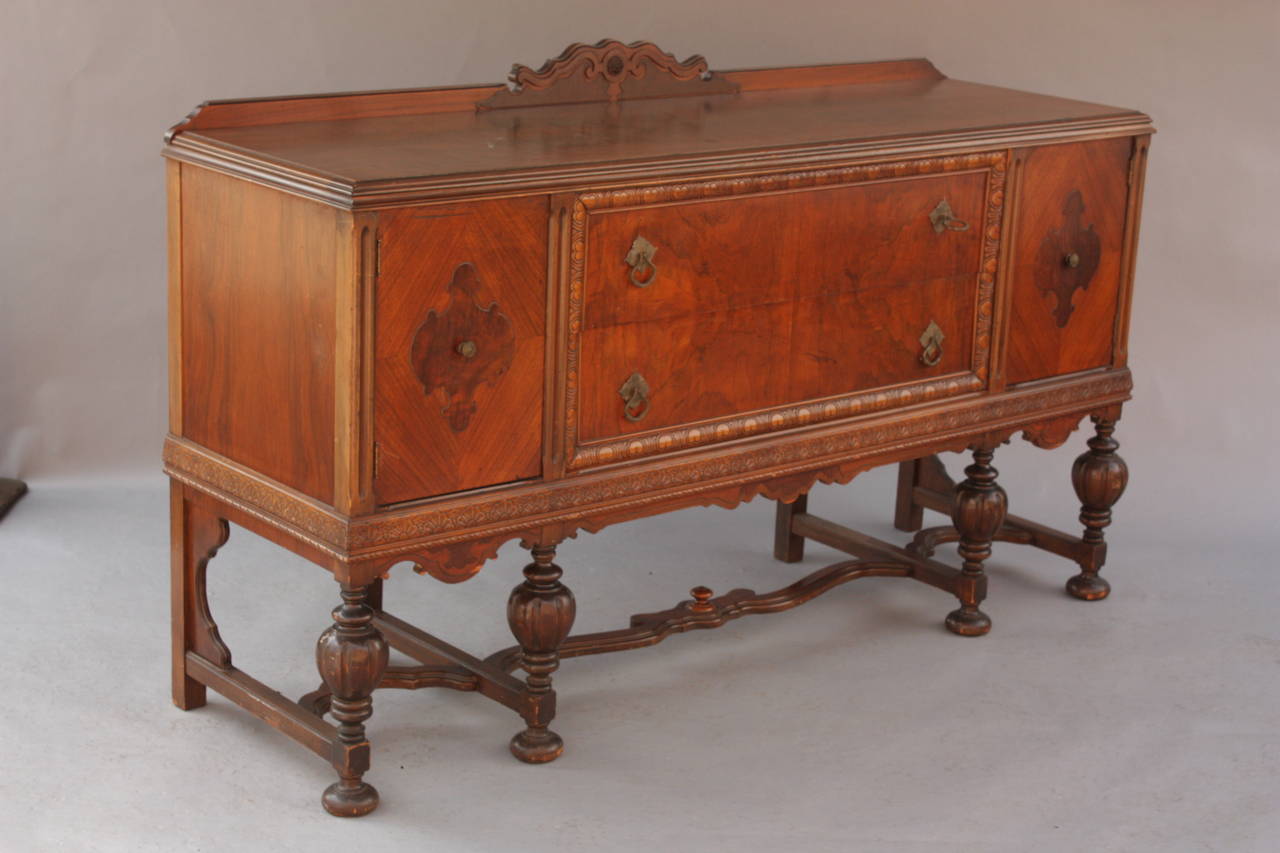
(785, 417)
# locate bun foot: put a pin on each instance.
(354, 801)
(968, 623)
(537, 746)
(1089, 587)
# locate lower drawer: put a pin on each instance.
(715, 364)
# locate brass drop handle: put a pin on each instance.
(931, 341)
(1072, 260)
(640, 259)
(467, 349)
(944, 218)
(635, 396)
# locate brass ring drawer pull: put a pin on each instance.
(635, 395)
(931, 341)
(944, 219)
(640, 259)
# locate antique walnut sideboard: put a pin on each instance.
(410, 326)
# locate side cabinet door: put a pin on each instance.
(1068, 241)
(459, 347)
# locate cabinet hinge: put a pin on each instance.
(377, 459)
(377, 257)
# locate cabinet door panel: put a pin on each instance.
(460, 325)
(1066, 276)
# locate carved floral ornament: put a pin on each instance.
(641, 68)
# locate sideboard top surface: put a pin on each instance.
(392, 146)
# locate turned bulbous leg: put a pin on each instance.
(978, 512)
(351, 656)
(1099, 476)
(540, 612)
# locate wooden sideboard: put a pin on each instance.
(410, 326)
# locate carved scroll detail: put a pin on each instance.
(576, 76)
(208, 535)
(1052, 433)
(462, 348)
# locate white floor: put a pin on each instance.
(1145, 722)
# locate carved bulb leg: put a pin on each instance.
(978, 512)
(351, 656)
(1099, 476)
(540, 612)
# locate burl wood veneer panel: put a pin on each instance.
(448, 416)
(259, 271)
(1073, 200)
(776, 298)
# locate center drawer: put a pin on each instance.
(696, 312)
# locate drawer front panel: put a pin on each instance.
(847, 341)
(705, 365)
(759, 304)
(727, 253)
(459, 347)
(1068, 241)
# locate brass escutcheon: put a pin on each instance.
(931, 340)
(944, 219)
(640, 259)
(635, 394)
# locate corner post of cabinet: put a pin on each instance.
(173, 191)
(560, 262)
(357, 279)
(1016, 160)
(1129, 249)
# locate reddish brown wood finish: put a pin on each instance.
(424, 444)
(497, 141)
(834, 268)
(778, 290)
(259, 277)
(195, 537)
(1080, 194)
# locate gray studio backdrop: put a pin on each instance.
(89, 88)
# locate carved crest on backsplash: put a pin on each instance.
(608, 70)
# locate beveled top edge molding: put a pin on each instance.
(192, 147)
